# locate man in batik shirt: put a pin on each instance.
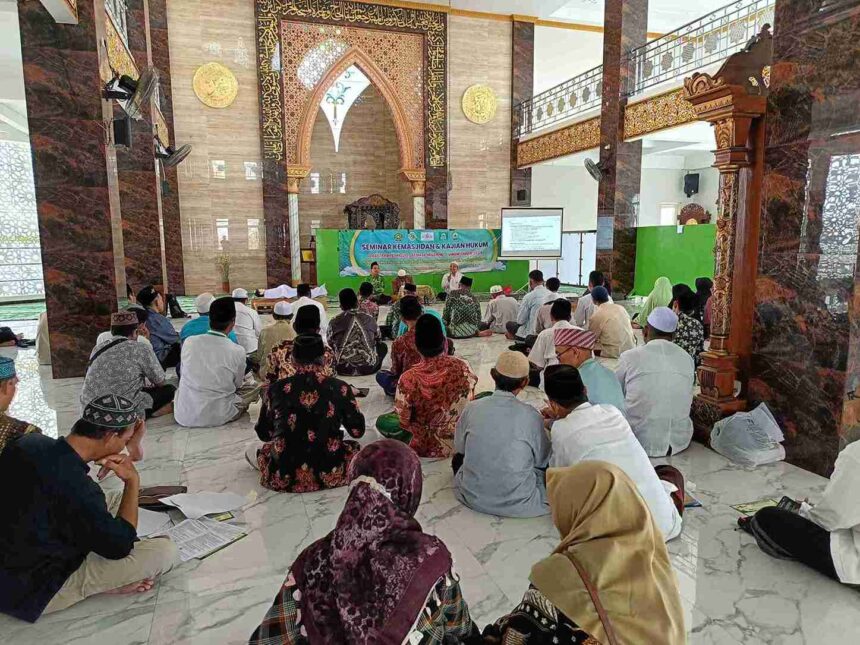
(462, 313)
(10, 426)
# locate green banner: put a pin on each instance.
(418, 251)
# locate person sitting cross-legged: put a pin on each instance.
(279, 364)
(585, 307)
(304, 295)
(658, 380)
(524, 326)
(500, 448)
(574, 347)
(300, 423)
(542, 352)
(404, 351)
(611, 324)
(9, 426)
(212, 390)
(501, 310)
(544, 316)
(690, 335)
(200, 325)
(365, 300)
(274, 335)
(430, 395)
(582, 431)
(164, 338)
(62, 539)
(354, 337)
(462, 313)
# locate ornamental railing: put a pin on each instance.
(700, 43)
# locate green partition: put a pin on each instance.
(681, 257)
(516, 275)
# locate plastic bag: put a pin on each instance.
(749, 438)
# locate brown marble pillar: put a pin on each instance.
(522, 88)
(169, 185)
(67, 136)
(275, 198)
(625, 27)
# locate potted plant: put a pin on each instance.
(222, 262)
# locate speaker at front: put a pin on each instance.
(691, 184)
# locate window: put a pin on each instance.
(222, 232)
(342, 187)
(253, 234)
(315, 183)
(668, 214)
(219, 169)
(117, 10)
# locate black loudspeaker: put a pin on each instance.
(522, 195)
(122, 132)
(691, 184)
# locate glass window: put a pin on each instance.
(222, 232)
(254, 234)
(117, 10)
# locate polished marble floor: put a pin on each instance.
(732, 592)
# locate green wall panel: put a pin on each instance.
(681, 257)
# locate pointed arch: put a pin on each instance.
(355, 56)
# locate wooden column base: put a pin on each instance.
(716, 400)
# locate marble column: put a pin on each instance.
(67, 137)
(295, 250)
(169, 184)
(522, 88)
(278, 248)
(417, 179)
(625, 27)
(138, 183)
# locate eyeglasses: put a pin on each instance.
(559, 354)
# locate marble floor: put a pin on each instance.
(732, 592)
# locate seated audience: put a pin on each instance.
(162, 335)
(280, 364)
(122, 366)
(524, 326)
(274, 335)
(391, 328)
(300, 423)
(354, 337)
(365, 300)
(582, 431)
(212, 390)
(824, 536)
(377, 577)
(451, 280)
(9, 342)
(430, 395)
(660, 296)
(462, 313)
(303, 293)
(690, 335)
(200, 325)
(501, 310)
(543, 351)
(248, 325)
(500, 448)
(704, 287)
(404, 351)
(574, 347)
(543, 316)
(9, 426)
(657, 379)
(142, 330)
(43, 340)
(378, 283)
(62, 539)
(611, 324)
(399, 282)
(585, 305)
(611, 548)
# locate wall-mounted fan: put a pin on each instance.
(133, 93)
(594, 169)
(170, 157)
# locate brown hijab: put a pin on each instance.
(606, 527)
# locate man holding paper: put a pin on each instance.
(62, 539)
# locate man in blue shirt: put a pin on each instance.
(574, 347)
(162, 335)
(200, 325)
(529, 307)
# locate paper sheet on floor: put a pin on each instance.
(196, 505)
(750, 508)
(199, 538)
(151, 523)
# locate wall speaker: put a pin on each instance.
(522, 195)
(122, 132)
(691, 184)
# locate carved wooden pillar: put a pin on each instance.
(734, 102)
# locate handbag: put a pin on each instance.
(595, 599)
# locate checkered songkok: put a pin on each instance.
(111, 411)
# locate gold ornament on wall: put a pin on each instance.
(479, 104)
(215, 85)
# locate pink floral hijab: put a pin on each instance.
(367, 580)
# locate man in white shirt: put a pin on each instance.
(248, 325)
(543, 320)
(585, 305)
(657, 379)
(212, 389)
(451, 280)
(303, 291)
(524, 326)
(582, 431)
(501, 310)
(543, 354)
(824, 536)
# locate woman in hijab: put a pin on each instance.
(609, 581)
(660, 296)
(376, 579)
(704, 286)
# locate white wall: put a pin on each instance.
(660, 185)
(570, 187)
(561, 54)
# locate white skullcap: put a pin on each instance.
(203, 302)
(283, 308)
(496, 288)
(663, 319)
(401, 273)
(240, 293)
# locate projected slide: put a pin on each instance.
(531, 233)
